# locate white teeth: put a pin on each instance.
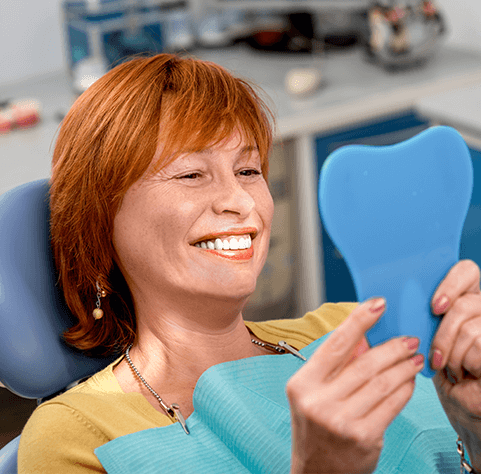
(233, 244)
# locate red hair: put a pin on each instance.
(106, 143)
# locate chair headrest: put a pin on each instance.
(35, 361)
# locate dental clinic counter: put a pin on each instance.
(355, 94)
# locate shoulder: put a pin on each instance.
(302, 331)
(58, 438)
(62, 433)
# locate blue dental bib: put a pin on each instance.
(241, 425)
(396, 215)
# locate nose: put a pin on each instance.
(231, 197)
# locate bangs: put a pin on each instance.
(139, 116)
(203, 105)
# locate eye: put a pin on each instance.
(189, 176)
(250, 172)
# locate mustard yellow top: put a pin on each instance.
(62, 433)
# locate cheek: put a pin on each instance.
(266, 212)
(270, 208)
(126, 238)
(265, 205)
(171, 226)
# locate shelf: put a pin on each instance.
(293, 4)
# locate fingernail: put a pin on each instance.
(418, 359)
(377, 305)
(437, 359)
(441, 304)
(412, 343)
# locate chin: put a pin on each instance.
(227, 293)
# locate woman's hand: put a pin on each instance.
(341, 406)
(456, 353)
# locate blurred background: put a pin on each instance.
(335, 71)
(32, 31)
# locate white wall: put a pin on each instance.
(30, 39)
(464, 22)
(31, 34)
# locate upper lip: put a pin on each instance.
(252, 231)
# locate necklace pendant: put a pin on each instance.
(179, 417)
(290, 349)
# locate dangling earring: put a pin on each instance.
(101, 293)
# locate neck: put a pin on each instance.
(188, 351)
(171, 352)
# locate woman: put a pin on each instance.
(161, 217)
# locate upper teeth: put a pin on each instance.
(233, 243)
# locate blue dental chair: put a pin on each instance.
(432, 171)
(33, 312)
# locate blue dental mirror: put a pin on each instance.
(396, 214)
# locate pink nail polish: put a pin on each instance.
(377, 305)
(418, 359)
(441, 304)
(412, 343)
(437, 359)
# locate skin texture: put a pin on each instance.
(458, 362)
(189, 301)
(364, 394)
(367, 387)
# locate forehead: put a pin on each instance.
(234, 144)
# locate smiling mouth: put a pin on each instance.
(239, 242)
(237, 247)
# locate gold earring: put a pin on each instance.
(101, 293)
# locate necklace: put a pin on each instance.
(173, 412)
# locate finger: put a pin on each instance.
(463, 309)
(382, 386)
(472, 358)
(373, 363)
(338, 348)
(377, 420)
(468, 333)
(361, 347)
(462, 278)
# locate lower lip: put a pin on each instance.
(238, 255)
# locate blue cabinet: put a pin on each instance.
(338, 282)
(471, 237)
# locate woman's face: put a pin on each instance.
(172, 228)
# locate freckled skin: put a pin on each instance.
(198, 194)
